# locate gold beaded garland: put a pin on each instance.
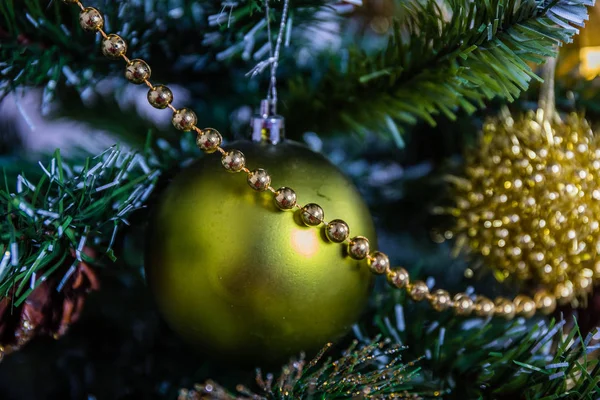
(137, 71)
(209, 140)
(418, 291)
(259, 180)
(160, 97)
(463, 305)
(184, 119)
(233, 160)
(379, 263)
(337, 231)
(113, 46)
(285, 198)
(440, 300)
(484, 307)
(91, 20)
(505, 308)
(525, 306)
(358, 248)
(398, 277)
(312, 214)
(545, 302)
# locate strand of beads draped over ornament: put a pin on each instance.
(232, 275)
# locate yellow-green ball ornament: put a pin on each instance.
(238, 277)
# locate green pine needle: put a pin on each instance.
(68, 208)
(476, 358)
(462, 359)
(372, 370)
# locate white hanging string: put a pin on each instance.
(274, 53)
(273, 84)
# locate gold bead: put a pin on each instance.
(160, 97)
(597, 269)
(337, 231)
(463, 305)
(137, 71)
(259, 180)
(285, 198)
(312, 214)
(113, 46)
(584, 285)
(418, 291)
(209, 140)
(584, 282)
(233, 160)
(586, 272)
(358, 248)
(525, 306)
(398, 277)
(564, 292)
(484, 307)
(505, 308)
(90, 19)
(379, 263)
(545, 302)
(184, 119)
(440, 300)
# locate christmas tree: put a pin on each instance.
(143, 255)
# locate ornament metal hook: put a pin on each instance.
(266, 126)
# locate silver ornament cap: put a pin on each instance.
(267, 126)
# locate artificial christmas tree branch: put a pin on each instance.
(59, 215)
(457, 66)
(69, 208)
(41, 44)
(436, 62)
(368, 370)
(495, 359)
(442, 59)
(462, 360)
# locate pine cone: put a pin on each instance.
(47, 311)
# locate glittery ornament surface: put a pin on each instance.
(529, 204)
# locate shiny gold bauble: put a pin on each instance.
(529, 205)
(239, 278)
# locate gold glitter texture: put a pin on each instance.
(530, 203)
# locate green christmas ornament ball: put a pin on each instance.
(238, 278)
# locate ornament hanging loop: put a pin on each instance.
(266, 126)
(272, 93)
(547, 113)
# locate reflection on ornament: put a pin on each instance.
(530, 204)
(305, 242)
(590, 62)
